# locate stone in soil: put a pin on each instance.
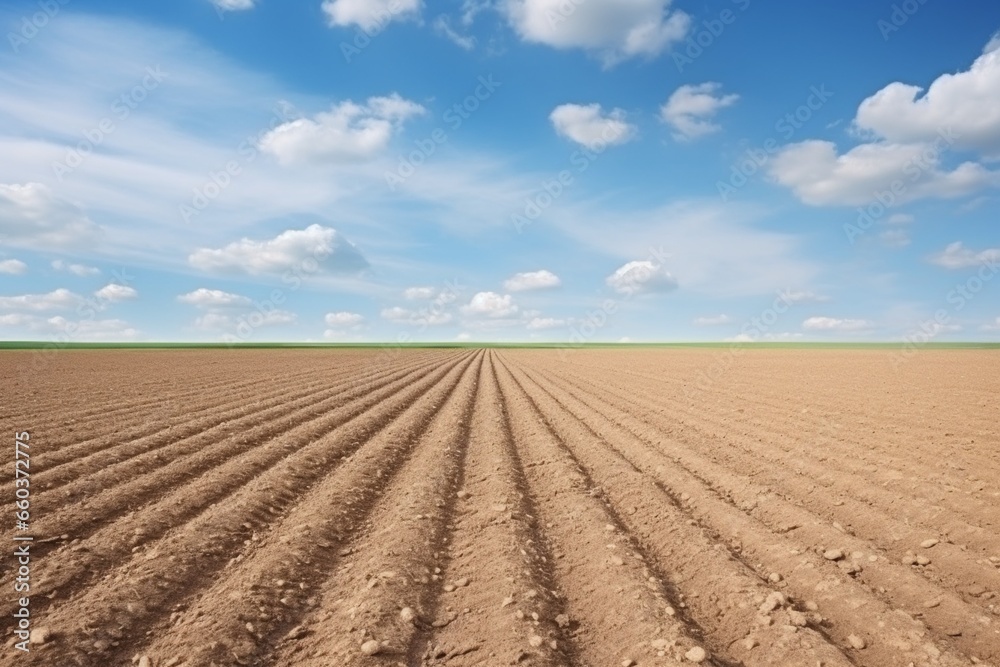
(833, 554)
(696, 654)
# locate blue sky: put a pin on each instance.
(505, 170)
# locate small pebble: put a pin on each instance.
(749, 643)
(40, 635)
(833, 554)
(407, 614)
(696, 654)
(144, 661)
(774, 578)
(535, 641)
(370, 647)
(628, 662)
(856, 642)
(462, 494)
(927, 544)
(923, 560)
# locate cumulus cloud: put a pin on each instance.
(349, 132)
(491, 304)
(690, 108)
(369, 15)
(532, 280)
(343, 319)
(213, 298)
(537, 323)
(641, 277)
(32, 215)
(715, 320)
(315, 248)
(835, 324)
(957, 256)
(898, 172)
(967, 104)
(614, 31)
(588, 126)
(114, 292)
(81, 270)
(417, 317)
(59, 299)
(13, 267)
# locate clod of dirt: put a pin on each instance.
(407, 614)
(628, 662)
(562, 620)
(462, 494)
(927, 544)
(464, 581)
(856, 642)
(535, 641)
(40, 635)
(696, 654)
(144, 661)
(772, 602)
(908, 559)
(923, 560)
(833, 554)
(749, 643)
(774, 578)
(370, 647)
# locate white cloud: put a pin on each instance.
(537, 323)
(991, 326)
(13, 267)
(957, 256)
(894, 238)
(641, 277)
(532, 280)
(691, 107)
(32, 215)
(418, 293)
(216, 321)
(234, 5)
(58, 299)
(369, 15)
(213, 298)
(99, 330)
(802, 296)
(835, 324)
(348, 133)
(443, 26)
(491, 304)
(899, 219)
(966, 105)
(114, 292)
(309, 250)
(612, 30)
(589, 127)
(713, 321)
(343, 319)
(420, 317)
(81, 270)
(899, 173)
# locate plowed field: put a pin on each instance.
(508, 507)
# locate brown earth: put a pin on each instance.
(508, 507)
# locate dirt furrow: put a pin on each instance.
(155, 580)
(616, 606)
(509, 600)
(304, 448)
(259, 600)
(953, 566)
(814, 570)
(740, 617)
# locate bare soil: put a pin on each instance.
(509, 507)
